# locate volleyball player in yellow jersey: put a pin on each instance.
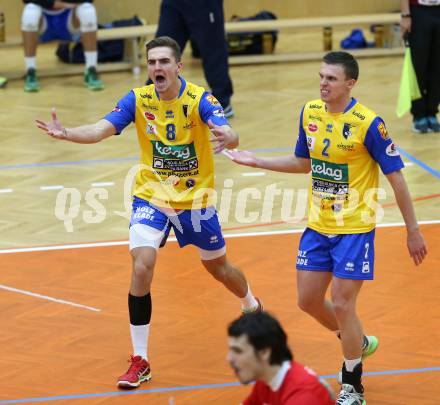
(343, 144)
(174, 121)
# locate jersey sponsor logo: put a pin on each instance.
(146, 95)
(346, 147)
(337, 207)
(312, 127)
(329, 171)
(349, 266)
(166, 173)
(302, 261)
(192, 95)
(315, 106)
(329, 128)
(144, 213)
(116, 109)
(150, 107)
(185, 110)
(311, 142)
(315, 117)
(212, 99)
(302, 253)
(391, 150)
(151, 129)
(365, 267)
(346, 130)
(190, 183)
(189, 125)
(150, 116)
(179, 158)
(302, 258)
(219, 113)
(328, 187)
(383, 131)
(169, 114)
(359, 115)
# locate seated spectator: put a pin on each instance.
(46, 20)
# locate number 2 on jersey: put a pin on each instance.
(327, 144)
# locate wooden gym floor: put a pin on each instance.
(69, 341)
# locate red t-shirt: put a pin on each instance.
(300, 386)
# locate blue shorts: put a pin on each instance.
(57, 25)
(200, 228)
(346, 256)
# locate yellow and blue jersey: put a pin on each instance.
(346, 150)
(177, 163)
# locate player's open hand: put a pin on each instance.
(222, 136)
(242, 157)
(416, 246)
(53, 127)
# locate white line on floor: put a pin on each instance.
(253, 174)
(172, 239)
(103, 184)
(45, 297)
(47, 188)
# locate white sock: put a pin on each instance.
(91, 58)
(139, 339)
(249, 302)
(351, 364)
(30, 62)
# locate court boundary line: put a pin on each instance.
(194, 387)
(46, 297)
(173, 239)
(290, 149)
(419, 163)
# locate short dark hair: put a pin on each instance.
(263, 331)
(167, 42)
(347, 60)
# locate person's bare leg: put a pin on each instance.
(139, 309)
(231, 277)
(344, 294)
(143, 261)
(30, 42)
(89, 41)
(312, 286)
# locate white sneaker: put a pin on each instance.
(349, 396)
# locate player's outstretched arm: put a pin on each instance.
(223, 137)
(84, 134)
(415, 242)
(285, 164)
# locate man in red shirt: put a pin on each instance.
(258, 351)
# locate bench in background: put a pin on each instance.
(135, 36)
